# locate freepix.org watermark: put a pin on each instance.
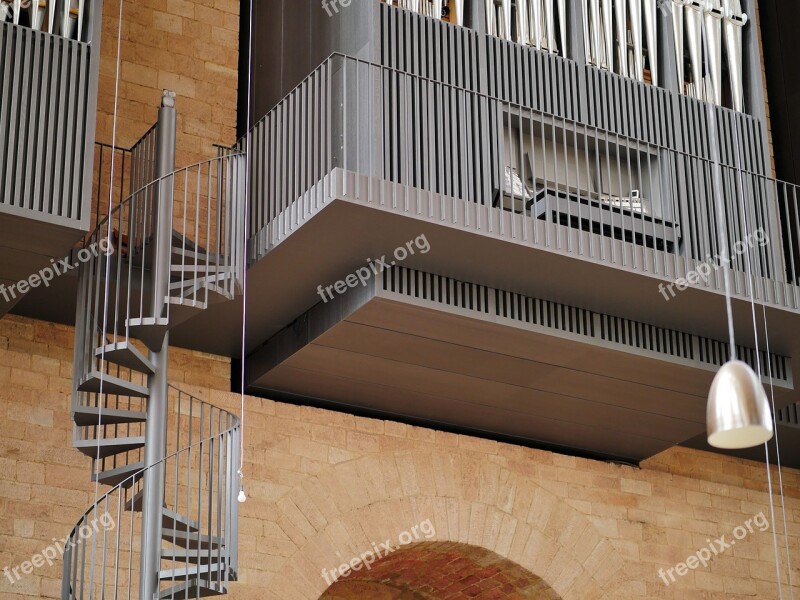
(704, 269)
(714, 548)
(332, 7)
(56, 269)
(364, 274)
(424, 530)
(58, 547)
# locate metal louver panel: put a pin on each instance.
(43, 118)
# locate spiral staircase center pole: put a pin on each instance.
(157, 413)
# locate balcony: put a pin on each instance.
(48, 86)
(536, 314)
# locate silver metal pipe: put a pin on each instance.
(651, 31)
(636, 34)
(621, 14)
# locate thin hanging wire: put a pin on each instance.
(245, 231)
(109, 232)
(762, 290)
(722, 230)
(724, 248)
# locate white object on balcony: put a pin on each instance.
(514, 185)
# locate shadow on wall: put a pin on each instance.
(439, 570)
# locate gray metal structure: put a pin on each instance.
(171, 459)
(48, 105)
(531, 172)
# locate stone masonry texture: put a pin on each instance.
(324, 485)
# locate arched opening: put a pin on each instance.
(438, 571)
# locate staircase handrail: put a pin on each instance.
(128, 485)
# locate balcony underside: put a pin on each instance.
(400, 355)
(27, 245)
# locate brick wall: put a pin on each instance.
(188, 46)
(322, 486)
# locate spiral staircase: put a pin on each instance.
(167, 527)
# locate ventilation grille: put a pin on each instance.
(717, 353)
(436, 288)
(646, 337)
(544, 313)
(789, 416)
(573, 320)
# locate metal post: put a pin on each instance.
(156, 430)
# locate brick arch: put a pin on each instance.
(438, 570)
(346, 510)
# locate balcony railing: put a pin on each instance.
(65, 18)
(529, 175)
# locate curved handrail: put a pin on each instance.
(139, 474)
(215, 486)
(104, 221)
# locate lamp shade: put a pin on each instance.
(737, 414)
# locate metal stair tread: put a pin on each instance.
(170, 519)
(108, 446)
(190, 555)
(135, 503)
(126, 355)
(120, 475)
(212, 571)
(191, 540)
(150, 330)
(194, 588)
(201, 281)
(210, 269)
(192, 255)
(85, 416)
(94, 381)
